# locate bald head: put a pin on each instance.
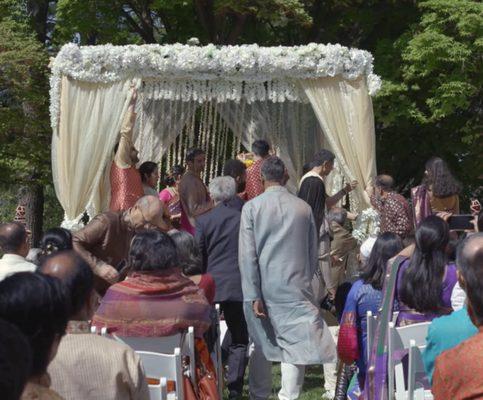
(384, 182)
(13, 238)
(470, 263)
(149, 212)
(76, 275)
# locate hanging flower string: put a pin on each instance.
(366, 225)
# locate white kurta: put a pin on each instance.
(278, 256)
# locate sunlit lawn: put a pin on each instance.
(313, 384)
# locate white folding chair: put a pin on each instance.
(168, 366)
(371, 329)
(219, 366)
(160, 391)
(166, 345)
(399, 339)
(417, 377)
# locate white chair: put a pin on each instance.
(399, 340)
(168, 366)
(371, 321)
(417, 377)
(160, 391)
(166, 345)
(218, 363)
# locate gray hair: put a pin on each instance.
(338, 215)
(222, 188)
(273, 169)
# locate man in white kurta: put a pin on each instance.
(278, 259)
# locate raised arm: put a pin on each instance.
(122, 157)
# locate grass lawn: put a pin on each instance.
(313, 384)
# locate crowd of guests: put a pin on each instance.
(157, 262)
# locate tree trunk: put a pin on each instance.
(32, 198)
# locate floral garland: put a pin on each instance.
(179, 70)
(366, 225)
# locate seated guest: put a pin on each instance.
(341, 246)
(365, 295)
(458, 297)
(458, 372)
(155, 299)
(39, 306)
(86, 362)
(169, 195)
(444, 333)
(393, 209)
(104, 241)
(238, 171)
(54, 240)
(426, 279)
(149, 176)
(189, 259)
(15, 361)
(217, 234)
(14, 243)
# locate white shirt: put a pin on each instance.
(13, 263)
(458, 297)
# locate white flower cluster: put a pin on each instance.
(257, 73)
(366, 225)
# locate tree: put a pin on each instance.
(431, 102)
(24, 118)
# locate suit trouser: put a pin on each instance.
(237, 350)
(260, 378)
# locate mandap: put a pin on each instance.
(298, 98)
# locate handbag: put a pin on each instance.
(207, 388)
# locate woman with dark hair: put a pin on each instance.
(170, 195)
(38, 305)
(190, 261)
(426, 279)
(155, 299)
(438, 192)
(365, 295)
(149, 176)
(55, 239)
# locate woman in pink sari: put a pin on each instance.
(170, 196)
(155, 299)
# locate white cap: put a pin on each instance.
(366, 248)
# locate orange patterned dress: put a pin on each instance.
(126, 187)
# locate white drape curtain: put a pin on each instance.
(290, 127)
(344, 111)
(158, 124)
(82, 146)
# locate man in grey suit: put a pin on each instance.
(278, 259)
(217, 234)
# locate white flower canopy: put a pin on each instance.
(277, 93)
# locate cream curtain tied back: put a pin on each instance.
(90, 121)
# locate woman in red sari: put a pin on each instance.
(155, 299)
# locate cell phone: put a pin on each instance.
(461, 222)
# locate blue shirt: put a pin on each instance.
(444, 333)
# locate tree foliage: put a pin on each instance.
(427, 52)
(24, 120)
